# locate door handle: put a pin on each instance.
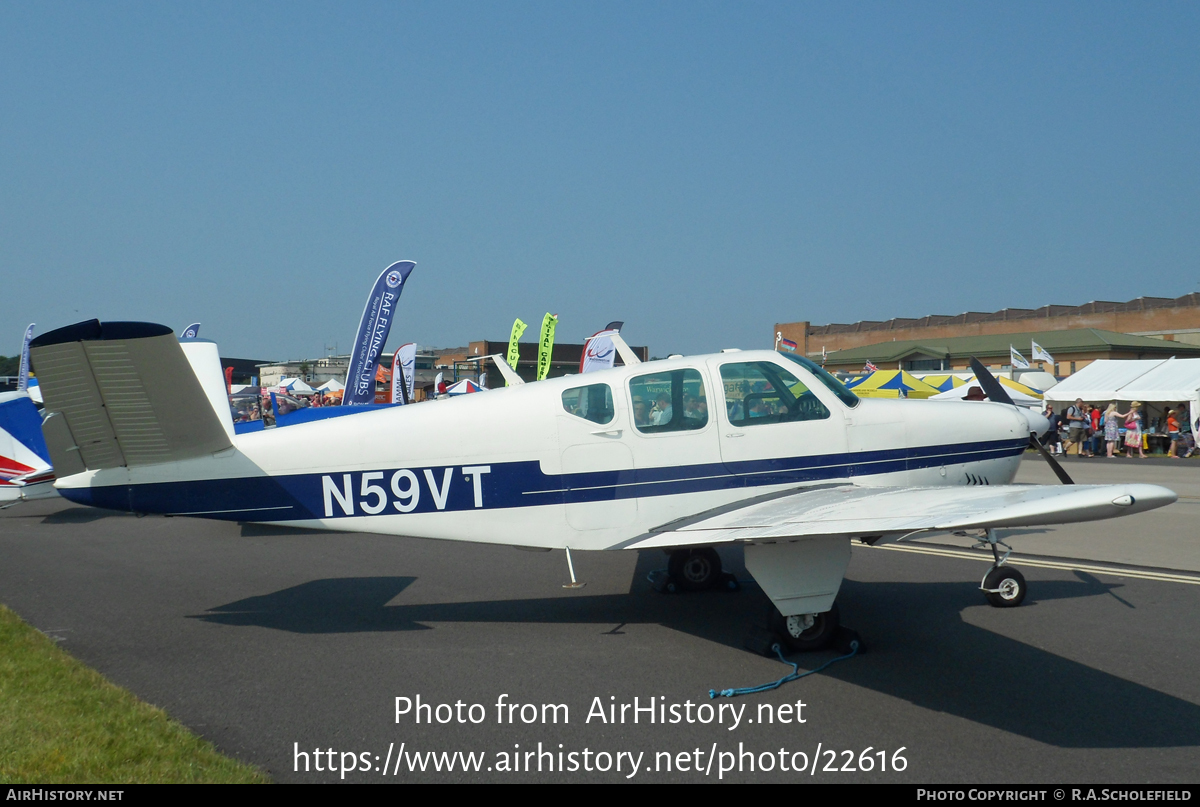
(613, 432)
(736, 434)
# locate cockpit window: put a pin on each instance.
(669, 402)
(836, 387)
(593, 402)
(763, 392)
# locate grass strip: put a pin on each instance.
(63, 723)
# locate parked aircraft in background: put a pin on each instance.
(25, 471)
(756, 448)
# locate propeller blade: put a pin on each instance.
(996, 392)
(1062, 475)
(991, 387)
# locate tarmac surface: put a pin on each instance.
(269, 642)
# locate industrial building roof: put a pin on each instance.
(1008, 314)
(1081, 340)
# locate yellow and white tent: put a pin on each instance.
(891, 384)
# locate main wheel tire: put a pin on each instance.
(1008, 587)
(695, 569)
(806, 632)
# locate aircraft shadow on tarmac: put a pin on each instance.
(83, 515)
(919, 648)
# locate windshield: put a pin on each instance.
(836, 387)
(763, 392)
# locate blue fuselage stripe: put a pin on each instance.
(423, 489)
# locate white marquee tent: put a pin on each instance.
(1172, 381)
(295, 385)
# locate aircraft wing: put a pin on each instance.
(891, 513)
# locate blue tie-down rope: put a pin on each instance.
(792, 676)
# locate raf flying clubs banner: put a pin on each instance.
(373, 333)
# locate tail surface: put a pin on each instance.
(124, 394)
(25, 470)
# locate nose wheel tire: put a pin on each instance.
(695, 569)
(1004, 587)
(806, 632)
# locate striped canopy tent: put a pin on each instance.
(1024, 389)
(1020, 393)
(463, 387)
(943, 382)
(891, 384)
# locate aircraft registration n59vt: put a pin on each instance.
(757, 448)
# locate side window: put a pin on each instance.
(762, 392)
(593, 402)
(669, 402)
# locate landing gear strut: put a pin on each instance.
(696, 569)
(1003, 586)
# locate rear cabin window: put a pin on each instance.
(593, 402)
(669, 402)
(759, 392)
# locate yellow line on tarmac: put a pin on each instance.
(1016, 560)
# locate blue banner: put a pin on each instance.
(23, 373)
(373, 333)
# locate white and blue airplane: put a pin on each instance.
(757, 448)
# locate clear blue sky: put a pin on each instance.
(699, 170)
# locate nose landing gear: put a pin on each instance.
(1003, 586)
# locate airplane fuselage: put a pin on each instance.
(587, 461)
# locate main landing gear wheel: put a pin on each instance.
(805, 632)
(694, 569)
(1004, 587)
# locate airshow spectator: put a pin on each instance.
(1187, 441)
(1053, 438)
(1076, 427)
(1112, 431)
(1173, 433)
(1133, 430)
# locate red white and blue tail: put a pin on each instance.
(25, 470)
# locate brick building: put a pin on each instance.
(1167, 318)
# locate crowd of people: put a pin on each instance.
(256, 405)
(1092, 431)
